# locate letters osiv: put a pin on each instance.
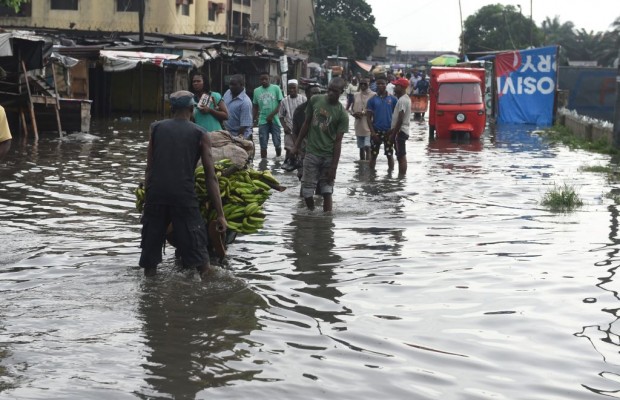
(530, 84)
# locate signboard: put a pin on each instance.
(526, 85)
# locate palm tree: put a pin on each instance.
(562, 34)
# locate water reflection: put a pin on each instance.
(314, 260)
(197, 336)
(519, 138)
(605, 339)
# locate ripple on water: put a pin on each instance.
(451, 282)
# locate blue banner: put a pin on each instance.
(526, 85)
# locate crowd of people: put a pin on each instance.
(314, 125)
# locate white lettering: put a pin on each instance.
(549, 83)
(545, 64)
(528, 85)
(528, 64)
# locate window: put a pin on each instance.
(460, 93)
(212, 10)
(128, 5)
(184, 6)
(64, 5)
(244, 2)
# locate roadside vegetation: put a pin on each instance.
(562, 198)
(561, 134)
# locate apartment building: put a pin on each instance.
(160, 16)
(281, 21)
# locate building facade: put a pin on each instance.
(160, 16)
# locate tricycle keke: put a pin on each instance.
(457, 102)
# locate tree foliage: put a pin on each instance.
(581, 45)
(12, 3)
(496, 27)
(354, 16)
(335, 37)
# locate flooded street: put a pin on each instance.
(450, 283)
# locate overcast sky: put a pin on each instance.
(435, 24)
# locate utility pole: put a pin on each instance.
(617, 109)
(141, 9)
(462, 34)
(531, 22)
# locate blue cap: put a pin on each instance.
(182, 99)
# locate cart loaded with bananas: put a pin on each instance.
(243, 190)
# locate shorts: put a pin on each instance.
(388, 146)
(400, 145)
(189, 233)
(263, 135)
(363, 141)
(315, 171)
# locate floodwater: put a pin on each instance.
(450, 283)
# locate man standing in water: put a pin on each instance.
(5, 134)
(379, 114)
(358, 110)
(325, 125)
(266, 101)
(239, 106)
(399, 131)
(175, 146)
(287, 110)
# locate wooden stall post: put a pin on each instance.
(32, 115)
(57, 108)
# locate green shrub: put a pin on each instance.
(561, 198)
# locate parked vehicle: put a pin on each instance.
(456, 102)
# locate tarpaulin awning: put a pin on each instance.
(445, 60)
(25, 46)
(365, 66)
(178, 64)
(116, 61)
(65, 61)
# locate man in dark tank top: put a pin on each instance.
(175, 146)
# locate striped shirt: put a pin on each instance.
(287, 108)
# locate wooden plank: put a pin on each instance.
(32, 115)
(24, 125)
(57, 102)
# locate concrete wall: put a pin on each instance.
(299, 23)
(586, 130)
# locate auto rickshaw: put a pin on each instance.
(456, 102)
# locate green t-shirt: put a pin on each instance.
(327, 121)
(208, 121)
(267, 100)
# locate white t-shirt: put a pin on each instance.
(403, 104)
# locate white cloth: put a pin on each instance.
(287, 108)
(360, 100)
(403, 104)
(5, 132)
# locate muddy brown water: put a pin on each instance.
(450, 283)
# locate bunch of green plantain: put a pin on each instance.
(140, 197)
(243, 194)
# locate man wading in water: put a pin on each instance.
(325, 125)
(175, 146)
